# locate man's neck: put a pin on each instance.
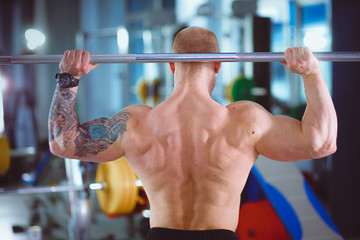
(195, 81)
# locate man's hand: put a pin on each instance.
(300, 60)
(76, 63)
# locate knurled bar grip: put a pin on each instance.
(176, 57)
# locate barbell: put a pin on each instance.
(118, 189)
(349, 56)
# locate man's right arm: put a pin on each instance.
(94, 140)
(287, 139)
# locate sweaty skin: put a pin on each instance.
(192, 154)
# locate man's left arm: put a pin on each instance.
(315, 136)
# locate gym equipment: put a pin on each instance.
(295, 203)
(148, 91)
(4, 155)
(179, 57)
(119, 190)
(142, 90)
(50, 189)
(156, 91)
(120, 193)
(258, 220)
(240, 89)
(32, 178)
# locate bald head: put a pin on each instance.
(195, 40)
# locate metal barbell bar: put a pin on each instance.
(177, 57)
(59, 188)
(51, 189)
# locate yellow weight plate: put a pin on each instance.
(4, 155)
(123, 186)
(142, 90)
(120, 193)
(106, 195)
(156, 86)
(133, 189)
(129, 188)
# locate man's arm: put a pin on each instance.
(88, 141)
(287, 139)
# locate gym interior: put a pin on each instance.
(43, 196)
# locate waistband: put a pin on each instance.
(157, 233)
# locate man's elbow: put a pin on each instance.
(57, 150)
(325, 149)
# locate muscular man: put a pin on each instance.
(192, 154)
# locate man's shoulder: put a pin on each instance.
(247, 111)
(136, 110)
(244, 106)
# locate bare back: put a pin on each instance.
(192, 154)
(193, 158)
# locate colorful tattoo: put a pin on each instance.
(90, 138)
(63, 116)
(95, 136)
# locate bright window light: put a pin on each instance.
(147, 38)
(123, 40)
(316, 38)
(34, 38)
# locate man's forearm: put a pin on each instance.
(319, 123)
(63, 118)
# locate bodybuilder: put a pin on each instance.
(192, 154)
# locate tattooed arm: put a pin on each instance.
(69, 138)
(88, 141)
